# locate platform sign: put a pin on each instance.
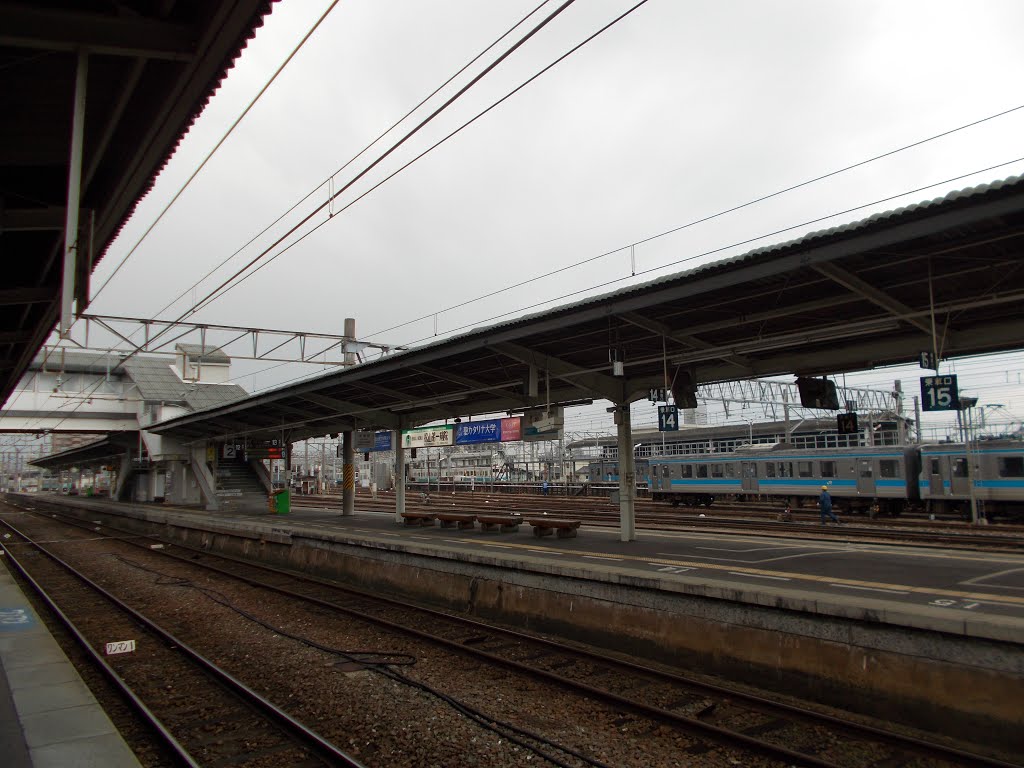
(939, 393)
(364, 441)
(846, 423)
(668, 418)
(657, 395)
(428, 437)
(488, 431)
(927, 360)
(382, 441)
(120, 646)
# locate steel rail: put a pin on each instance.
(325, 748)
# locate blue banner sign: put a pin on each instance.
(382, 441)
(473, 432)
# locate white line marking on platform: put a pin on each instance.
(871, 589)
(544, 552)
(598, 557)
(672, 568)
(759, 576)
(422, 538)
(455, 541)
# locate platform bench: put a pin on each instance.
(500, 523)
(545, 526)
(419, 518)
(456, 520)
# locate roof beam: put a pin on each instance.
(661, 329)
(28, 295)
(475, 384)
(592, 383)
(853, 283)
(52, 30)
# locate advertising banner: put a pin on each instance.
(428, 437)
(488, 431)
(382, 441)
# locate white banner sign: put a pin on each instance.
(428, 437)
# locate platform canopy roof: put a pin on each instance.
(104, 450)
(152, 67)
(947, 273)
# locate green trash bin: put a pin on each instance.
(283, 501)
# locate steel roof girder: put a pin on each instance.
(474, 384)
(851, 282)
(382, 416)
(590, 382)
(660, 328)
(52, 30)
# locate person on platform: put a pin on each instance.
(825, 502)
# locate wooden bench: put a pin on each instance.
(500, 523)
(456, 520)
(419, 518)
(545, 526)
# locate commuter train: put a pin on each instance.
(871, 480)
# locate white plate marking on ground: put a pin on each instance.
(871, 589)
(544, 552)
(598, 557)
(759, 576)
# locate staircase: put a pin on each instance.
(239, 489)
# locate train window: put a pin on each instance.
(935, 466)
(702, 470)
(785, 469)
(1011, 466)
(866, 470)
(666, 471)
(730, 470)
(749, 469)
(769, 469)
(804, 469)
(686, 470)
(960, 468)
(828, 469)
(888, 468)
(716, 470)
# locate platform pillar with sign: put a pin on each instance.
(348, 470)
(396, 438)
(627, 475)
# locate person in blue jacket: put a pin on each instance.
(825, 502)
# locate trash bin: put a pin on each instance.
(282, 501)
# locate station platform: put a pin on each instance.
(923, 635)
(48, 716)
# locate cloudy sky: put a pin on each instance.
(678, 112)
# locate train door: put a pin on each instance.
(750, 476)
(866, 477)
(934, 471)
(958, 482)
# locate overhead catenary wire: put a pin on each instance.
(349, 162)
(380, 158)
(217, 146)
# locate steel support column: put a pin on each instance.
(627, 475)
(396, 443)
(348, 469)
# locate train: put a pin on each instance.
(872, 480)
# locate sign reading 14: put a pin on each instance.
(668, 418)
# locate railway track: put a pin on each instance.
(644, 698)
(203, 714)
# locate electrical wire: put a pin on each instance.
(355, 157)
(218, 145)
(489, 68)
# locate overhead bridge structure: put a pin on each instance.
(945, 276)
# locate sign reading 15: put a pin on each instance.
(939, 393)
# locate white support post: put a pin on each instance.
(71, 250)
(396, 438)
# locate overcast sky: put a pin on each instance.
(681, 110)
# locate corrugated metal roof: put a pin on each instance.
(204, 396)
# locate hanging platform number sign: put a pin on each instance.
(939, 393)
(668, 418)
